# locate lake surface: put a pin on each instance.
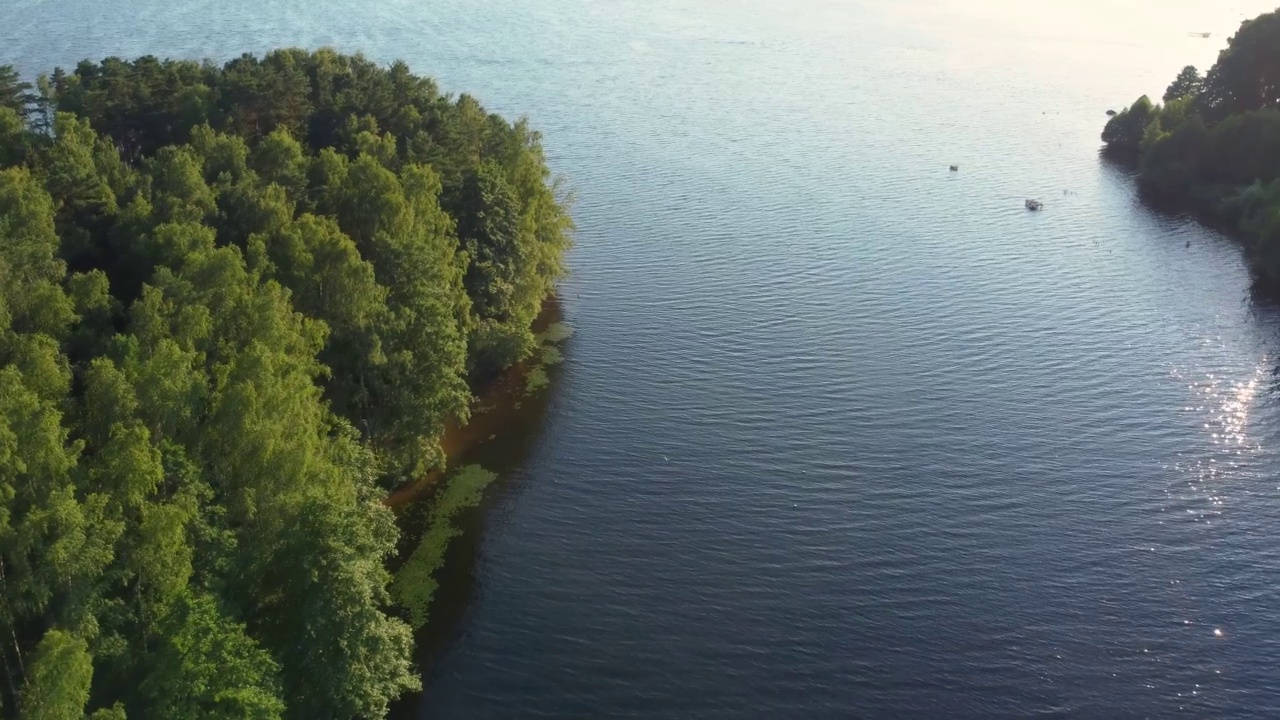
(841, 433)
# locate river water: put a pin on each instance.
(840, 433)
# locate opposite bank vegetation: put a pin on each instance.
(239, 303)
(1213, 146)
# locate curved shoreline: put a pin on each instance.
(494, 410)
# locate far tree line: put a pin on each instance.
(1213, 142)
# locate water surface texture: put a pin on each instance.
(842, 433)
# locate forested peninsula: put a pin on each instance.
(238, 304)
(1213, 146)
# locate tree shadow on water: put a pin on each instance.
(505, 434)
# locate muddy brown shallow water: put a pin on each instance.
(503, 405)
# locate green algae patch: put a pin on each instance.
(551, 355)
(555, 332)
(546, 355)
(415, 584)
(536, 380)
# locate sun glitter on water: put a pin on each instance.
(1223, 406)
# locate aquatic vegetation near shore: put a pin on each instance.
(548, 354)
(555, 333)
(415, 584)
(551, 355)
(536, 380)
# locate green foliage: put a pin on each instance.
(207, 668)
(1155, 133)
(236, 304)
(281, 160)
(15, 137)
(329, 585)
(1244, 77)
(58, 683)
(29, 262)
(15, 93)
(1187, 84)
(1244, 148)
(415, 584)
(1125, 131)
(115, 712)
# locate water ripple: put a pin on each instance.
(842, 433)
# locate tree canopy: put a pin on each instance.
(1214, 146)
(237, 304)
(1246, 76)
(1188, 83)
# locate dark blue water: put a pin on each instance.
(841, 433)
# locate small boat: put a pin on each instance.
(1111, 113)
(955, 168)
(1035, 205)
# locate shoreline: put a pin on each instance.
(495, 409)
(1201, 204)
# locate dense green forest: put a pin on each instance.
(237, 304)
(1213, 145)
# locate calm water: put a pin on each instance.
(842, 434)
